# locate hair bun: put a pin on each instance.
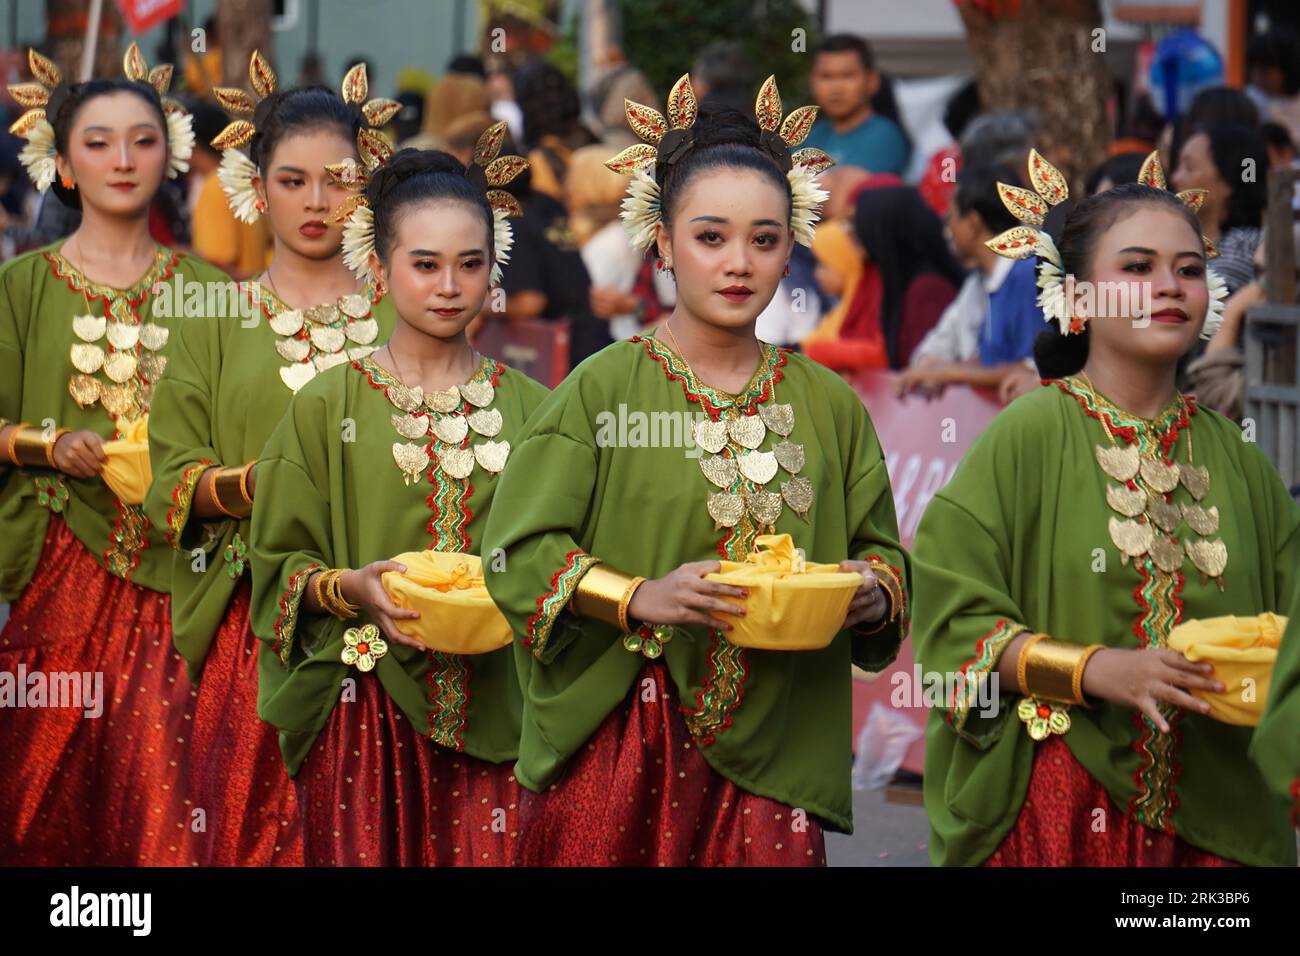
(405, 164)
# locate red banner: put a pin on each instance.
(923, 442)
(141, 15)
(536, 347)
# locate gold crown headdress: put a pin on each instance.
(237, 170)
(1031, 207)
(37, 156)
(667, 140)
(488, 170)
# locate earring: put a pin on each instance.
(787, 270)
(659, 264)
(68, 182)
(1078, 324)
(260, 205)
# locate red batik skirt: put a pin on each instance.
(373, 792)
(1055, 825)
(239, 775)
(640, 794)
(110, 789)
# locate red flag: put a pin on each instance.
(141, 15)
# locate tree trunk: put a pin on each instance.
(1048, 56)
(66, 22)
(243, 26)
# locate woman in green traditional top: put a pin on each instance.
(227, 386)
(1092, 516)
(405, 757)
(649, 738)
(85, 331)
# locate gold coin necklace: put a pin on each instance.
(437, 425)
(117, 357)
(732, 460)
(322, 336)
(1149, 518)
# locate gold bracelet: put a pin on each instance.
(13, 438)
(335, 602)
(345, 605)
(604, 594)
(1076, 680)
(226, 484)
(625, 601)
(317, 581)
(212, 495)
(49, 446)
(1051, 668)
(243, 484)
(27, 447)
(1022, 662)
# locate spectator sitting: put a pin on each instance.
(844, 80)
(909, 278)
(985, 338)
(1230, 163)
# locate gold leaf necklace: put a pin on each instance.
(735, 464)
(1144, 499)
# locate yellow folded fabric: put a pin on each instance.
(127, 471)
(457, 615)
(1242, 650)
(789, 608)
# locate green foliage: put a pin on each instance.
(662, 37)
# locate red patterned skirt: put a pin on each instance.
(110, 789)
(641, 794)
(239, 775)
(373, 792)
(1055, 825)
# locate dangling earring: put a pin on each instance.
(659, 264)
(786, 273)
(260, 205)
(69, 183)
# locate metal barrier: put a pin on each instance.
(1272, 368)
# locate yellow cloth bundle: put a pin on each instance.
(790, 607)
(457, 615)
(1242, 650)
(127, 471)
